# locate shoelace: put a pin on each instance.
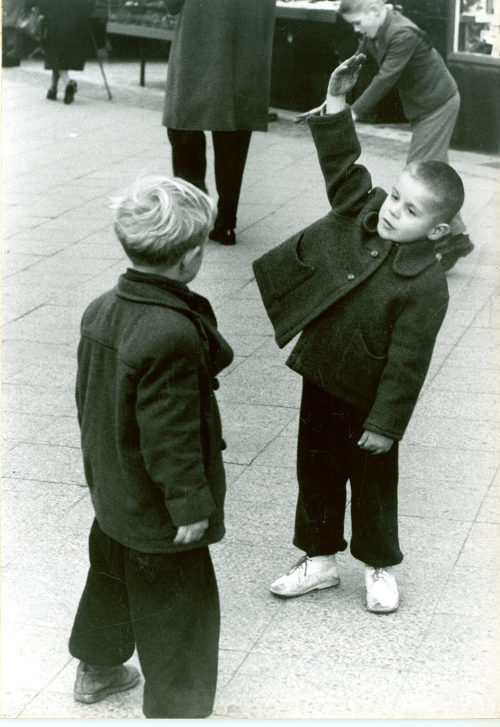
(378, 574)
(301, 562)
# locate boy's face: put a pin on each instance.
(366, 21)
(409, 212)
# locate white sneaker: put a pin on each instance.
(307, 575)
(381, 590)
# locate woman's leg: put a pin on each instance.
(189, 156)
(230, 152)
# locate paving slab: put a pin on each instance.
(320, 656)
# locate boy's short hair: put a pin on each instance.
(443, 183)
(349, 7)
(159, 219)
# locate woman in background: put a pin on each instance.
(66, 37)
(218, 80)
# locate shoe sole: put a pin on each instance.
(381, 610)
(319, 587)
(98, 696)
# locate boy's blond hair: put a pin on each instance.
(159, 219)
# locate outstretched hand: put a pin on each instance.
(344, 77)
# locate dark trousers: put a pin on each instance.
(328, 456)
(230, 153)
(166, 604)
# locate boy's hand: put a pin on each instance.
(375, 443)
(190, 533)
(344, 77)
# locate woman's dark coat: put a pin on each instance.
(66, 34)
(369, 309)
(219, 67)
(150, 426)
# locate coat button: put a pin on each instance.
(374, 253)
(350, 276)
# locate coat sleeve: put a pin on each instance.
(408, 359)
(347, 184)
(168, 410)
(399, 51)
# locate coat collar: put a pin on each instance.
(411, 258)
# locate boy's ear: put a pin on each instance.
(438, 231)
(189, 256)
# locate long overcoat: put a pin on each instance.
(66, 34)
(369, 309)
(150, 427)
(218, 76)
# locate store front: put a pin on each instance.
(311, 38)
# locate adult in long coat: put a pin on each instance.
(12, 11)
(218, 80)
(65, 38)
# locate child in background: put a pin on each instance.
(364, 287)
(151, 440)
(429, 96)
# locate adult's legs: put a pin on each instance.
(102, 631)
(175, 611)
(189, 156)
(230, 152)
(321, 473)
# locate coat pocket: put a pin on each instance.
(282, 268)
(360, 370)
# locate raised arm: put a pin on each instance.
(347, 184)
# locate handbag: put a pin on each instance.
(30, 23)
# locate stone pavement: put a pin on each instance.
(321, 655)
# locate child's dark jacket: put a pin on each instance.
(150, 427)
(370, 309)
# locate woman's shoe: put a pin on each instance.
(224, 235)
(52, 94)
(69, 93)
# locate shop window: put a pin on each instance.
(477, 28)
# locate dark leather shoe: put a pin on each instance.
(224, 235)
(52, 94)
(452, 247)
(69, 93)
(94, 683)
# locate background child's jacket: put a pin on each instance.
(150, 426)
(369, 309)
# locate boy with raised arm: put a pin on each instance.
(364, 287)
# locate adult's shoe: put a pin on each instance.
(307, 574)
(382, 594)
(224, 235)
(450, 248)
(94, 683)
(52, 94)
(69, 93)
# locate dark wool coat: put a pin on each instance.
(66, 33)
(408, 62)
(219, 66)
(150, 426)
(369, 309)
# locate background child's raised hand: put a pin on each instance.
(344, 77)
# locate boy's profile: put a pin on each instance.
(151, 441)
(364, 287)
(408, 62)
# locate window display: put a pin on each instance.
(477, 27)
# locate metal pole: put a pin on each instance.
(100, 65)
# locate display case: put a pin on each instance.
(477, 30)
